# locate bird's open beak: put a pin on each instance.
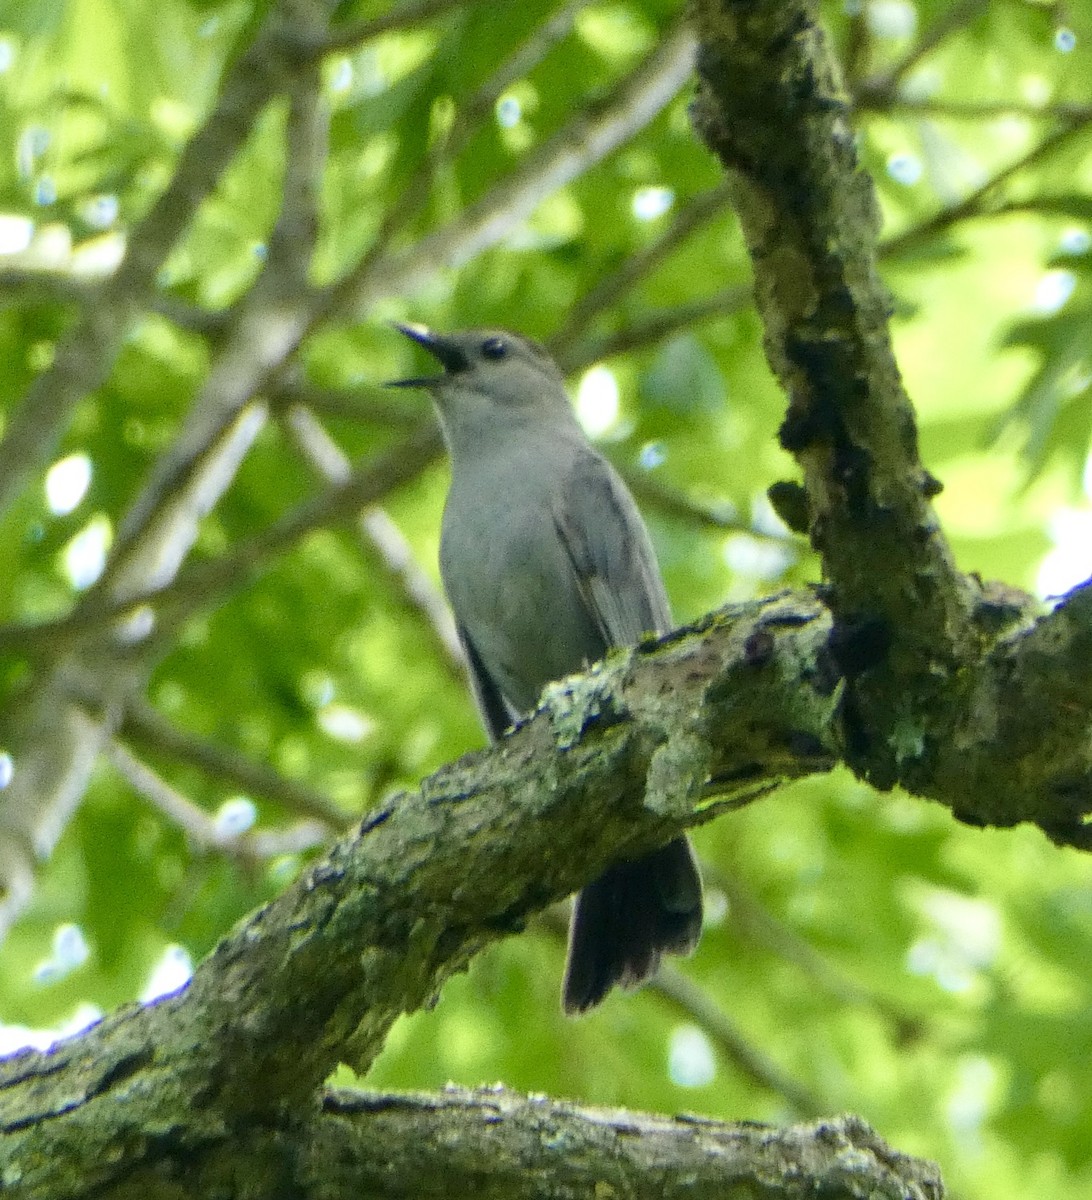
(446, 352)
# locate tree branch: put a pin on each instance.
(610, 766)
(379, 534)
(657, 738)
(494, 1144)
(84, 357)
(54, 738)
(904, 628)
(144, 725)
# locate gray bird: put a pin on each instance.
(547, 565)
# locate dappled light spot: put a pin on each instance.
(1069, 562)
(173, 971)
(651, 202)
(100, 211)
(32, 144)
(965, 939)
(715, 909)
(1075, 240)
(891, 18)
(597, 401)
(508, 111)
(344, 723)
(690, 1058)
(234, 817)
(904, 168)
(66, 483)
(340, 75)
(45, 191)
(15, 233)
(1053, 290)
(970, 1100)
(23, 1037)
(747, 555)
(69, 950)
(83, 559)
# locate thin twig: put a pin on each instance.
(353, 34)
(974, 204)
(143, 724)
(654, 326)
(369, 405)
(610, 288)
(950, 21)
(721, 518)
(694, 1002)
(973, 110)
(758, 925)
(380, 534)
(691, 1000)
(250, 847)
(85, 355)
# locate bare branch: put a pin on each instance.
(978, 202)
(250, 848)
(204, 585)
(380, 534)
(352, 34)
(253, 344)
(613, 286)
(142, 724)
(562, 158)
(468, 119)
(949, 22)
(54, 738)
(85, 355)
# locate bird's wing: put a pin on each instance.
(610, 552)
(496, 714)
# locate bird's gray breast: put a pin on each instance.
(509, 578)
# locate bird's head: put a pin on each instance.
(487, 369)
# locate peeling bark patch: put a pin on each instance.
(125, 1067)
(758, 648)
(806, 745)
(826, 676)
(374, 820)
(858, 646)
(790, 501)
(931, 486)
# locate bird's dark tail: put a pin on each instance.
(630, 916)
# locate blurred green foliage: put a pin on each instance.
(931, 977)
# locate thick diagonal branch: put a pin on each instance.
(610, 766)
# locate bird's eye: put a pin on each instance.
(494, 347)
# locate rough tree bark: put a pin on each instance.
(899, 665)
